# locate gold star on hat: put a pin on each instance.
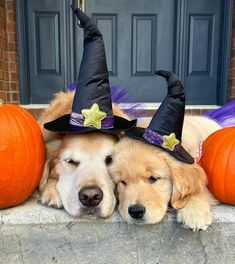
(170, 141)
(93, 116)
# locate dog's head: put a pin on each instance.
(84, 184)
(148, 179)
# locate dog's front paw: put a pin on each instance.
(50, 197)
(195, 216)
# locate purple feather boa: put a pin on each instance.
(119, 95)
(224, 116)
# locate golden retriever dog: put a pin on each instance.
(75, 175)
(148, 179)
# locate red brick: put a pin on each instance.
(13, 86)
(12, 56)
(232, 72)
(10, 16)
(3, 65)
(13, 67)
(2, 23)
(12, 47)
(11, 36)
(232, 82)
(3, 96)
(2, 3)
(15, 96)
(6, 76)
(2, 12)
(11, 27)
(232, 92)
(13, 76)
(5, 55)
(1, 75)
(3, 44)
(10, 5)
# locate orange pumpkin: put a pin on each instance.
(218, 161)
(22, 155)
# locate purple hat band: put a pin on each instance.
(157, 139)
(78, 120)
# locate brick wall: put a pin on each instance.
(9, 84)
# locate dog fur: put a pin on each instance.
(181, 184)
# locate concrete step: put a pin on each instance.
(34, 234)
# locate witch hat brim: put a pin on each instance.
(181, 154)
(62, 125)
(92, 104)
(165, 128)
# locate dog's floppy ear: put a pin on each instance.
(187, 179)
(49, 167)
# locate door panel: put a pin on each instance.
(139, 38)
(46, 30)
(203, 41)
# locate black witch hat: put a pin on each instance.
(92, 105)
(165, 128)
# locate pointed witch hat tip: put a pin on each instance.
(165, 127)
(163, 73)
(92, 103)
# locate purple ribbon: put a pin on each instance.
(156, 139)
(78, 120)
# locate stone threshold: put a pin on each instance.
(145, 109)
(31, 212)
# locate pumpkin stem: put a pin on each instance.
(1, 102)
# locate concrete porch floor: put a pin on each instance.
(32, 233)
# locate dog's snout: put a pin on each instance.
(136, 211)
(90, 196)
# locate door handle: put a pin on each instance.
(81, 4)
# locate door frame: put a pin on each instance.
(180, 47)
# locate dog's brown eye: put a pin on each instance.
(152, 179)
(72, 162)
(123, 183)
(108, 160)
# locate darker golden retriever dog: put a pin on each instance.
(75, 175)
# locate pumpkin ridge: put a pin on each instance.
(26, 115)
(6, 116)
(226, 171)
(215, 155)
(19, 123)
(38, 158)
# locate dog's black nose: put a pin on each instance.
(90, 196)
(136, 211)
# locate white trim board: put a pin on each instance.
(145, 106)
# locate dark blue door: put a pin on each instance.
(184, 36)
(48, 52)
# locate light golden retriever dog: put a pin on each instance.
(148, 179)
(75, 175)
